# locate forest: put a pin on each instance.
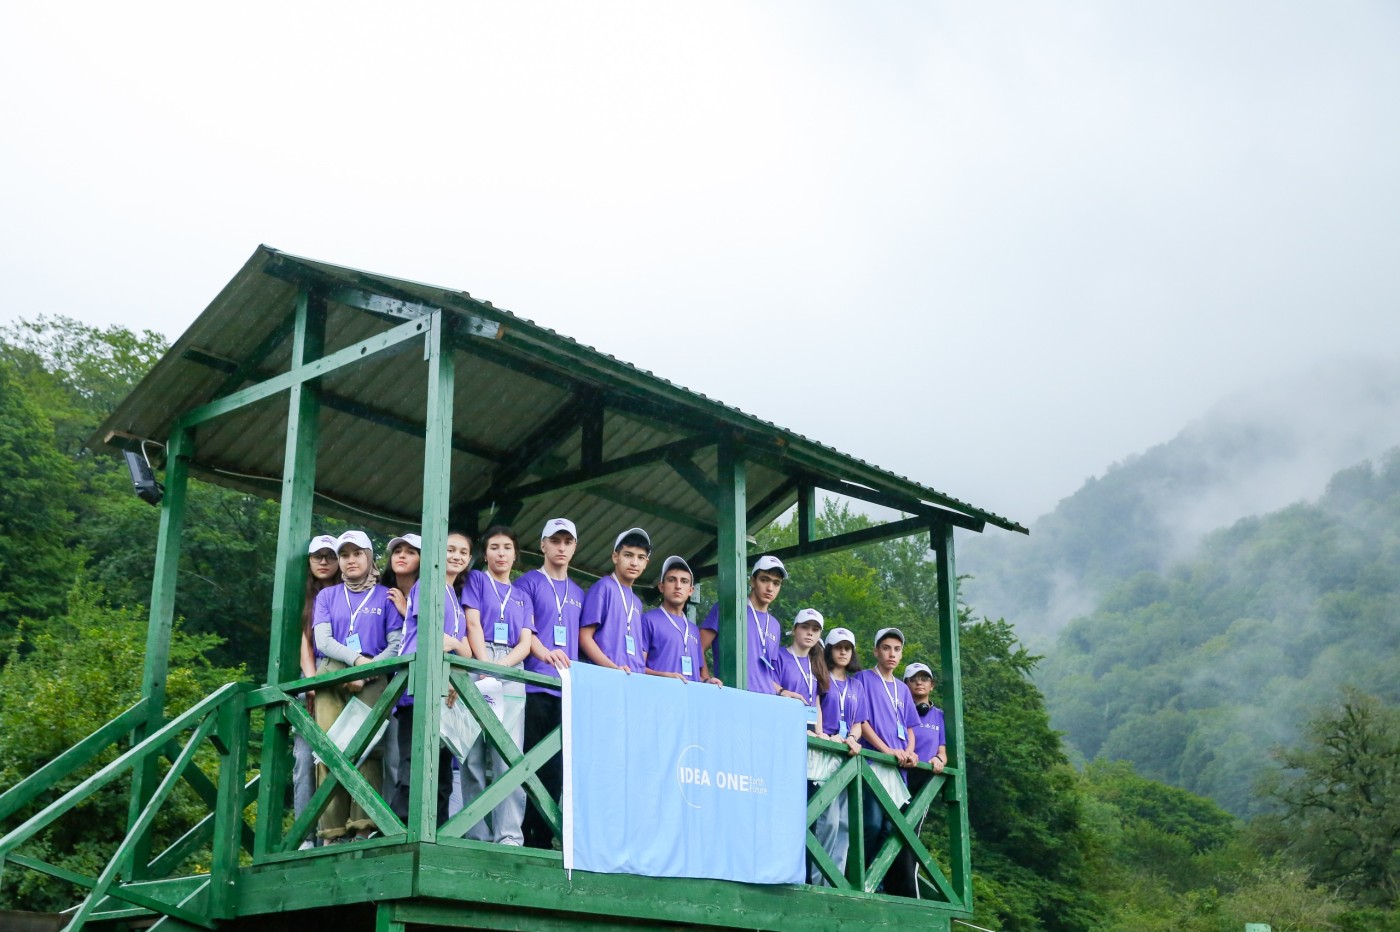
(1174, 803)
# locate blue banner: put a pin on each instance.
(672, 779)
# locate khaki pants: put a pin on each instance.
(342, 814)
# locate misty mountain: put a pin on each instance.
(1195, 673)
(1250, 454)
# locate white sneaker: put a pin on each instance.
(307, 845)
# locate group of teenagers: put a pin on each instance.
(542, 621)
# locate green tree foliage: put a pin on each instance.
(76, 374)
(1194, 674)
(70, 674)
(1340, 797)
(37, 486)
(1023, 802)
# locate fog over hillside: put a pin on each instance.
(1251, 453)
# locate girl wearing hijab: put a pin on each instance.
(355, 623)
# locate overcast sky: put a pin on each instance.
(991, 246)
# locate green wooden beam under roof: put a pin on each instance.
(618, 430)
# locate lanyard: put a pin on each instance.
(627, 605)
(458, 615)
(356, 610)
(683, 628)
(558, 602)
(894, 706)
(809, 679)
(509, 589)
(841, 699)
(762, 632)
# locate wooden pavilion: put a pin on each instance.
(326, 388)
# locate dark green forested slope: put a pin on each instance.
(1195, 673)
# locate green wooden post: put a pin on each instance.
(960, 850)
(429, 672)
(732, 561)
(162, 618)
(289, 582)
(232, 742)
(298, 490)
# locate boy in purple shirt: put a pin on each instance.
(610, 628)
(932, 749)
(558, 602)
(889, 729)
(670, 640)
(764, 630)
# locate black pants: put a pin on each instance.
(404, 777)
(905, 868)
(899, 879)
(542, 715)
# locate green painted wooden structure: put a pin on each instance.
(303, 375)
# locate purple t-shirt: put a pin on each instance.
(844, 701)
(795, 674)
(667, 639)
(888, 706)
(368, 616)
(617, 612)
(765, 632)
(505, 611)
(557, 605)
(454, 619)
(928, 734)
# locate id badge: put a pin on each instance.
(561, 636)
(811, 715)
(899, 730)
(687, 665)
(353, 642)
(502, 632)
(842, 733)
(631, 646)
(765, 661)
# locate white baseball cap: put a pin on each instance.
(617, 544)
(881, 634)
(357, 538)
(674, 561)
(770, 563)
(321, 542)
(556, 525)
(840, 636)
(914, 669)
(413, 540)
(809, 614)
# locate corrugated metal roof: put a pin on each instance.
(369, 461)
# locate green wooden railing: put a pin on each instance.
(126, 888)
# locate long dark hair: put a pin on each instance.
(390, 579)
(461, 579)
(852, 667)
(499, 530)
(308, 603)
(817, 658)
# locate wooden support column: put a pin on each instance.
(428, 676)
(289, 582)
(298, 490)
(179, 451)
(732, 560)
(806, 513)
(960, 853)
